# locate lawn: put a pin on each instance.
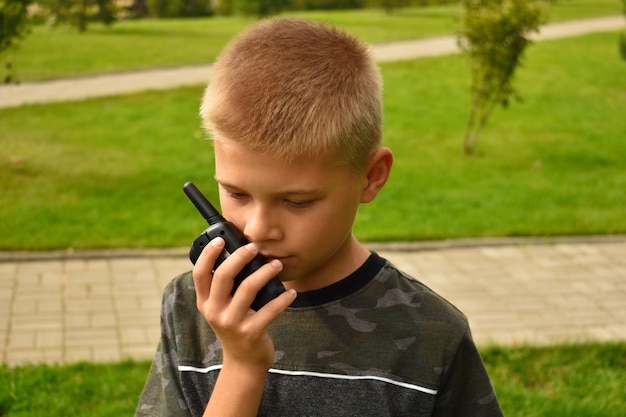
(558, 381)
(51, 52)
(108, 172)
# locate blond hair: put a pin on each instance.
(296, 88)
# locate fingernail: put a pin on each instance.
(276, 264)
(251, 247)
(218, 242)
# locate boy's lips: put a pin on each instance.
(271, 257)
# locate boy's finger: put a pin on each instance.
(268, 313)
(202, 271)
(250, 287)
(224, 276)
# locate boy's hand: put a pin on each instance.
(241, 331)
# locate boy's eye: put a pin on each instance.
(299, 204)
(237, 196)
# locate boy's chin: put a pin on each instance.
(290, 275)
(285, 276)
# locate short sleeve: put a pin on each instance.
(162, 395)
(466, 389)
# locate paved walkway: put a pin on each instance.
(166, 78)
(104, 306)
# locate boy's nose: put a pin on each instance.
(260, 226)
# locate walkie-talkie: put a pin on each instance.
(233, 238)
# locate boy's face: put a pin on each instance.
(300, 213)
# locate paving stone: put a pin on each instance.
(134, 335)
(77, 354)
(37, 321)
(77, 321)
(103, 319)
(7, 271)
(79, 338)
(50, 339)
(49, 306)
(16, 357)
(139, 352)
(22, 339)
(102, 354)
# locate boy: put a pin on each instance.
(294, 109)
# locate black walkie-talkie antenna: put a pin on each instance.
(203, 205)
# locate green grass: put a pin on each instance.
(74, 390)
(559, 381)
(108, 172)
(551, 165)
(50, 52)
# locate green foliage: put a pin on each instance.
(224, 7)
(622, 38)
(333, 4)
(259, 8)
(13, 22)
(79, 13)
(14, 25)
(179, 8)
(494, 35)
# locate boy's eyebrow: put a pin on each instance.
(294, 191)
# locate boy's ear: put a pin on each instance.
(378, 169)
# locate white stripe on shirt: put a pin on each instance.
(184, 368)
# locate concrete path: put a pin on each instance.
(104, 305)
(166, 78)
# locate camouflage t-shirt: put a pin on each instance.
(378, 343)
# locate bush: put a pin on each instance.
(179, 8)
(494, 35)
(13, 27)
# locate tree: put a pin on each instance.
(622, 38)
(14, 25)
(494, 35)
(260, 8)
(179, 8)
(80, 12)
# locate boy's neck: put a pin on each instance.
(343, 263)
